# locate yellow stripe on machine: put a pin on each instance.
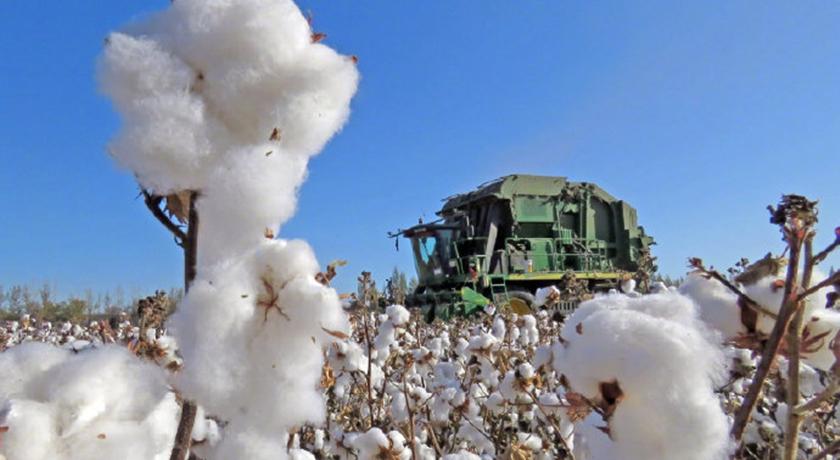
(557, 276)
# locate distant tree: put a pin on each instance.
(74, 310)
(15, 301)
(396, 287)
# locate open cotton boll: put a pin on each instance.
(230, 99)
(251, 192)
(209, 325)
(665, 367)
(718, 306)
(257, 331)
(462, 455)
(768, 293)
(139, 66)
(32, 431)
(167, 142)
(250, 444)
(375, 444)
(23, 364)
(544, 294)
(823, 328)
(97, 405)
(397, 314)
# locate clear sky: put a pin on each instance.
(699, 116)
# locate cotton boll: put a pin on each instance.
(769, 295)
(300, 454)
(32, 430)
(97, 405)
(285, 259)
(499, 328)
(266, 182)
(167, 144)
(462, 455)
(209, 325)
(132, 66)
(529, 334)
(628, 286)
(230, 99)
(658, 287)
(22, 364)
(822, 328)
(370, 443)
(251, 444)
(665, 366)
(717, 304)
(397, 314)
(544, 294)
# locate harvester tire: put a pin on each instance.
(519, 297)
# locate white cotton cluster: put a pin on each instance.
(528, 332)
(769, 293)
(394, 317)
(663, 362)
(719, 308)
(545, 295)
(251, 334)
(717, 304)
(375, 444)
(97, 405)
(231, 99)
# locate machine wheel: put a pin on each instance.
(521, 302)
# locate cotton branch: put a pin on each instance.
(153, 203)
(794, 224)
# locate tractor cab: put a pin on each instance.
(432, 248)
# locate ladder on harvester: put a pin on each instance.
(498, 289)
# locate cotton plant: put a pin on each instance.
(228, 101)
(105, 403)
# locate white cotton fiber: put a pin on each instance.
(820, 331)
(769, 292)
(231, 99)
(96, 405)
(717, 305)
(665, 364)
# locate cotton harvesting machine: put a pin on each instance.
(525, 242)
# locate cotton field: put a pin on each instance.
(222, 105)
(626, 376)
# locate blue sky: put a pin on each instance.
(698, 115)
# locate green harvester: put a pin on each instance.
(501, 242)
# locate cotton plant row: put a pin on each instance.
(630, 376)
(67, 334)
(507, 385)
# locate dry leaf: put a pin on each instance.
(336, 334)
(269, 233)
(318, 36)
(275, 135)
(178, 205)
(101, 436)
(579, 407)
(517, 451)
(611, 395)
(327, 377)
